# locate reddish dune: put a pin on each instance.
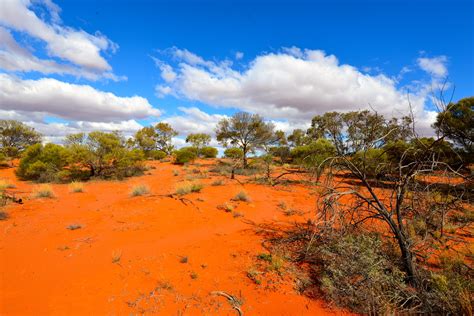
(128, 256)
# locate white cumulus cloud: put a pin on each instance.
(70, 101)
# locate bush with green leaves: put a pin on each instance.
(373, 162)
(208, 152)
(233, 153)
(156, 154)
(311, 156)
(15, 137)
(185, 155)
(42, 163)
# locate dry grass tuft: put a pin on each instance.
(44, 191)
(188, 187)
(139, 190)
(241, 196)
(76, 187)
(5, 184)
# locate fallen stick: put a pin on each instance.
(234, 302)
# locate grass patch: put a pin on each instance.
(76, 187)
(218, 182)
(139, 190)
(5, 184)
(184, 259)
(241, 196)
(44, 191)
(225, 207)
(175, 173)
(188, 187)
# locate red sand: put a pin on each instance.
(48, 269)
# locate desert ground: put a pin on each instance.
(103, 251)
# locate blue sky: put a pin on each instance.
(253, 55)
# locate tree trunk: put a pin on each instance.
(244, 158)
(407, 257)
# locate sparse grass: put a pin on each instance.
(3, 216)
(253, 274)
(5, 184)
(74, 226)
(188, 187)
(76, 187)
(175, 173)
(241, 196)
(225, 207)
(217, 182)
(184, 259)
(116, 256)
(194, 275)
(44, 191)
(139, 190)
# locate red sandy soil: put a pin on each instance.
(46, 268)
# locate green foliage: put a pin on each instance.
(185, 155)
(356, 273)
(198, 140)
(97, 154)
(15, 137)
(245, 131)
(416, 149)
(156, 154)
(359, 130)
(152, 138)
(233, 153)
(457, 124)
(42, 163)
(373, 162)
(312, 156)
(209, 152)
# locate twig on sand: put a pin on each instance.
(234, 302)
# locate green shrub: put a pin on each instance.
(156, 154)
(373, 162)
(313, 155)
(208, 152)
(42, 163)
(233, 153)
(185, 155)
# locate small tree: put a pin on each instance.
(244, 130)
(15, 137)
(164, 135)
(155, 138)
(198, 141)
(456, 123)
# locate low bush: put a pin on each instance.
(233, 153)
(156, 154)
(185, 155)
(208, 152)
